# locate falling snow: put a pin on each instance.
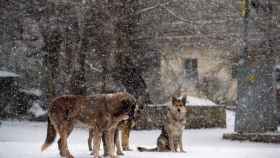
(221, 54)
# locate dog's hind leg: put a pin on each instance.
(62, 142)
(90, 137)
(96, 145)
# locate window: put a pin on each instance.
(234, 71)
(191, 71)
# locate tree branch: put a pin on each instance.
(152, 7)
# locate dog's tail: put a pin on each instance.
(141, 149)
(51, 134)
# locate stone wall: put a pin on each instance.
(197, 117)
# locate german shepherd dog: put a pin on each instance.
(101, 112)
(124, 129)
(170, 138)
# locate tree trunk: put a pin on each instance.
(53, 40)
(129, 73)
(256, 111)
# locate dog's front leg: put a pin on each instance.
(110, 142)
(181, 143)
(96, 139)
(171, 143)
(117, 142)
(125, 132)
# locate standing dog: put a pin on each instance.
(102, 113)
(170, 138)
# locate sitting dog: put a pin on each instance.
(101, 112)
(170, 138)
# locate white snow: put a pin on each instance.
(8, 74)
(33, 91)
(199, 101)
(193, 101)
(24, 139)
(37, 110)
(277, 66)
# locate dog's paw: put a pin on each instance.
(111, 156)
(95, 156)
(127, 149)
(120, 153)
(69, 156)
(182, 151)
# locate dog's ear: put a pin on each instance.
(184, 99)
(140, 100)
(125, 106)
(174, 99)
(128, 106)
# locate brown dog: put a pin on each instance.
(101, 112)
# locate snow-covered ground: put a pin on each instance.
(24, 139)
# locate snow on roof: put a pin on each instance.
(8, 74)
(37, 110)
(193, 101)
(199, 101)
(277, 66)
(33, 91)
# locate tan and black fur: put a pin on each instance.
(102, 113)
(170, 138)
(124, 130)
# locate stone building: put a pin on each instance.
(197, 41)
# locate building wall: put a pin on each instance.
(210, 64)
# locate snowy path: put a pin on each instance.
(23, 140)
